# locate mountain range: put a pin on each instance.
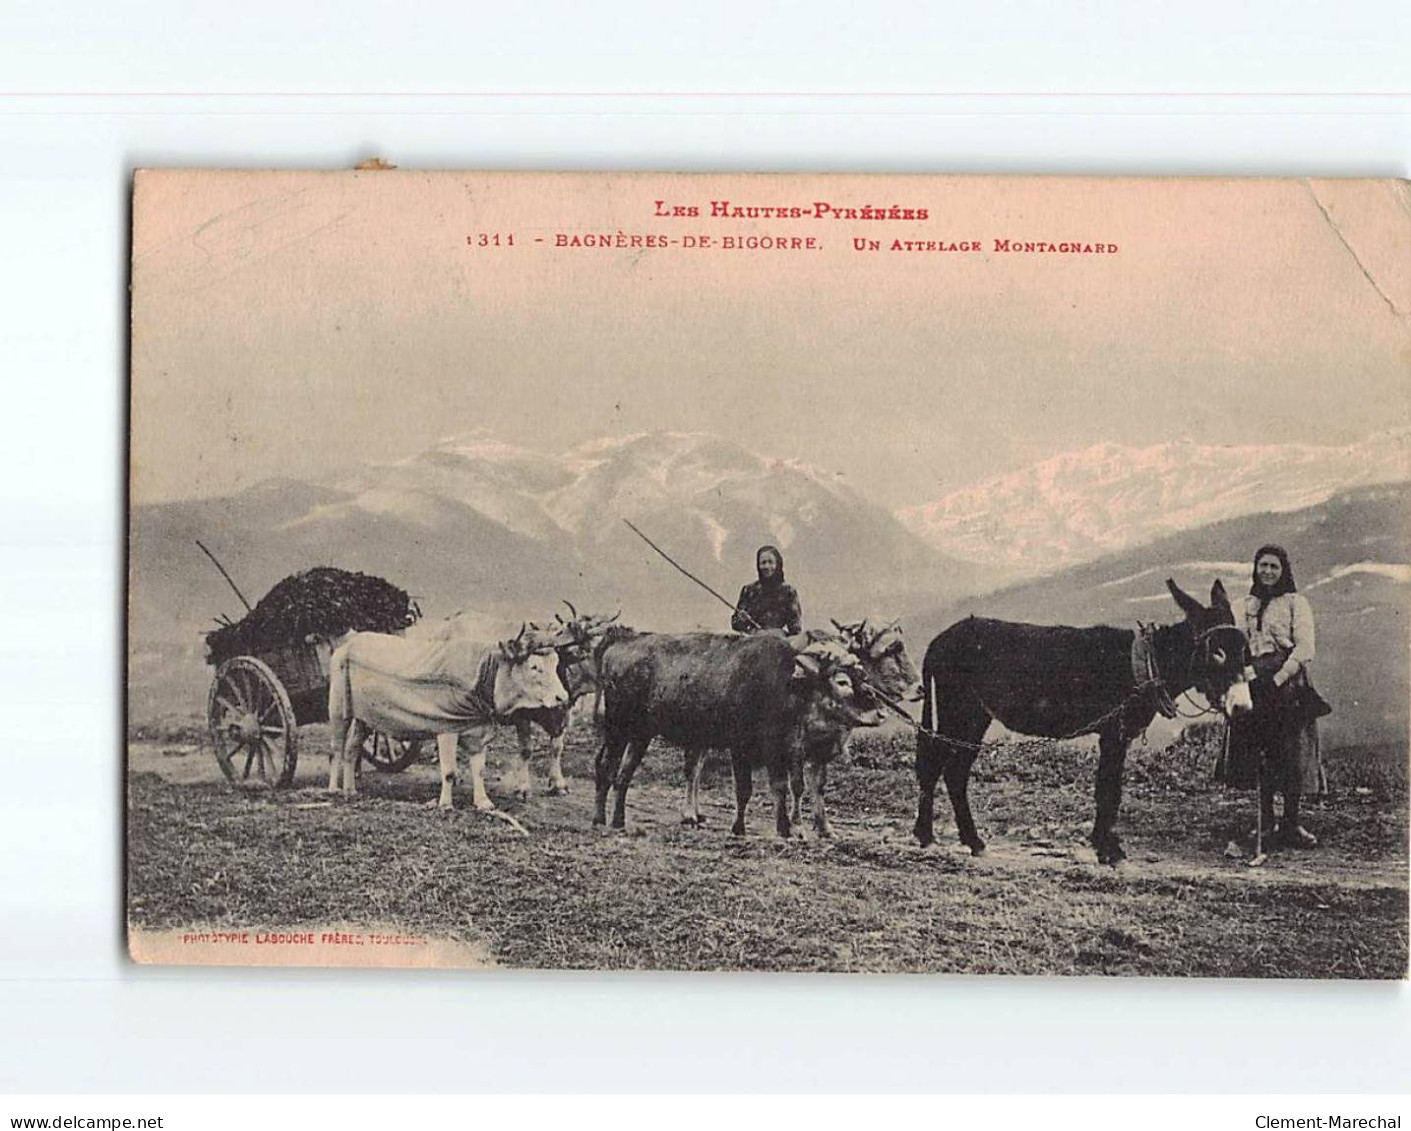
(473, 523)
(1083, 504)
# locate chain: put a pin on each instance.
(961, 744)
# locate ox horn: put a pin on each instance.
(806, 667)
(571, 609)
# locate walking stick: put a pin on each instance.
(1258, 858)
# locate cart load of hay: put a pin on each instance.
(322, 602)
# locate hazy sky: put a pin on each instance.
(283, 322)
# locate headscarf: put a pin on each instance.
(1266, 593)
(778, 578)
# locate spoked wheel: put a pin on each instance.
(252, 723)
(390, 755)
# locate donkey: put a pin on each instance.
(1062, 682)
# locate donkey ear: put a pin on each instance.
(1189, 605)
(1218, 597)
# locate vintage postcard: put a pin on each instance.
(963, 575)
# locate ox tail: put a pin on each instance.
(340, 686)
(926, 741)
(928, 709)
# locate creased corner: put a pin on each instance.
(1352, 251)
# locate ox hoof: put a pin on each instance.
(484, 805)
(824, 832)
(598, 822)
(737, 830)
(1111, 856)
(1109, 848)
(694, 822)
(558, 790)
(977, 848)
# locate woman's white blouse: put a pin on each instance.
(1288, 625)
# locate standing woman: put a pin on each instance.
(1282, 730)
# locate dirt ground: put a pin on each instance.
(660, 895)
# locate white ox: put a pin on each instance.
(574, 641)
(450, 688)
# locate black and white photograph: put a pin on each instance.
(991, 575)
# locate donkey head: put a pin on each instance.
(1219, 652)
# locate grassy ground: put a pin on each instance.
(663, 896)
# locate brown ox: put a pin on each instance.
(702, 691)
(876, 664)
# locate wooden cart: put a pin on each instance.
(258, 702)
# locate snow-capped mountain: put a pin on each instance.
(504, 483)
(710, 503)
(476, 523)
(473, 522)
(1080, 505)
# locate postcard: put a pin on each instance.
(857, 573)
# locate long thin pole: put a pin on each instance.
(886, 700)
(1258, 857)
(224, 575)
(724, 601)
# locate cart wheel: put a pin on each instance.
(252, 723)
(390, 755)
